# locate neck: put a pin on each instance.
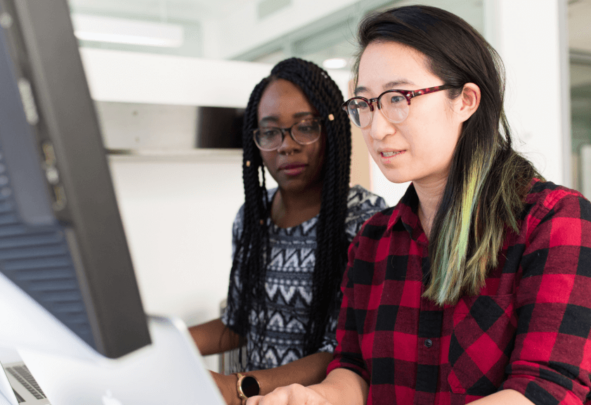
(430, 194)
(290, 208)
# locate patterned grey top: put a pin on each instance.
(289, 282)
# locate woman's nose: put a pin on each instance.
(380, 127)
(288, 146)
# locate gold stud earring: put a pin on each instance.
(248, 163)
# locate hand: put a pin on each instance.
(294, 394)
(227, 387)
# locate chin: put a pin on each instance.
(398, 180)
(395, 176)
(293, 185)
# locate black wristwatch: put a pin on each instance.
(247, 386)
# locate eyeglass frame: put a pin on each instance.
(288, 130)
(408, 95)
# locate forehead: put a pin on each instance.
(282, 98)
(390, 62)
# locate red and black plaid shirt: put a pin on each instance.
(528, 329)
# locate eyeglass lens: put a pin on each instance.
(304, 132)
(393, 105)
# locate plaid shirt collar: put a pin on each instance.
(405, 215)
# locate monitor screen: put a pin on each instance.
(61, 236)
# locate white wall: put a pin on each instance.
(178, 214)
(531, 38)
(586, 171)
(162, 79)
(391, 192)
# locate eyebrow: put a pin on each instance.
(274, 118)
(390, 85)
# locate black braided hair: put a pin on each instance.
(331, 252)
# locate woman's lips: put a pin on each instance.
(391, 154)
(293, 169)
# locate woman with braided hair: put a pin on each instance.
(290, 243)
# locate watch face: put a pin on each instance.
(250, 386)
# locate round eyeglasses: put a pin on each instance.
(394, 107)
(305, 132)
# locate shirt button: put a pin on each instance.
(428, 342)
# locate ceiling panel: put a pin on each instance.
(182, 10)
(337, 39)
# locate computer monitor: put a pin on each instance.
(61, 237)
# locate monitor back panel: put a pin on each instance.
(61, 235)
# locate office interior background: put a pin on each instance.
(151, 63)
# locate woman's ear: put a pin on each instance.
(468, 101)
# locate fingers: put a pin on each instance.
(254, 400)
(294, 394)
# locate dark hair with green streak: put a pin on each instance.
(251, 255)
(488, 179)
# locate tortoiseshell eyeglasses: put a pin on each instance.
(394, 107)
(305, 132)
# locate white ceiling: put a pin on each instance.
(195, 13)
(339, 42)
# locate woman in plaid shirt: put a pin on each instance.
(476, 287)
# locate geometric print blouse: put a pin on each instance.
(288, 285)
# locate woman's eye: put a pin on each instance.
(268, 133)
(305, 128)
(396, 99)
